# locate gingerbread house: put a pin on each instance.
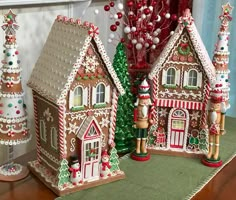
(75, 93)
(181, 79)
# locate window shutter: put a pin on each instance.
(71, 99)
(94, 96)
(185, 78)
(199, 79)
(177, 76)
(85, 96)
(164, 76)
(107, 94)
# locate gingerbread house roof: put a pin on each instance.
(186, 22)
(62, 56)
(85, 126)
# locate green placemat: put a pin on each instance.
(162, 177)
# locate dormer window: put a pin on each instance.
(192, 79)
(78, 98)
(100, 95)
(170, 77)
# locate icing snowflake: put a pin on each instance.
(195, 115)
(163, 112)
(72, 128)
(104, 122)
(90, 63)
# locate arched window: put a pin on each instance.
(78, 96)
(54, 142)
(100, 93)
(170, 76)
(42, 130)
(192, 78)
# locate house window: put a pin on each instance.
(42, 130)
(178, 124)
(92, 131)
(192, 78)
(170, 77)
(54, 142)
(100, 93)
(78, 96)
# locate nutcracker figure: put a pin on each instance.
(216, 124)
(142, 120)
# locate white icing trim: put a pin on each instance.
(15, 120)
(5, 172)
(48, 155)
(17, 141)
(12, 95)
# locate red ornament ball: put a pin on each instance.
(119, 14)
(130, 3)
(17, 112)
(138, 5)
(117, 23)
(16, 52)
(174, 17)
(113, 27)
(149, 27)
(147, 11)
(163, 14)
(122, 40)
(129, 46)
(112, 4)
(106, 7)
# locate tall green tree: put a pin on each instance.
(124, 137)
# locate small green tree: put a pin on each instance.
(124, 137)
(114, 160)
(64, 173)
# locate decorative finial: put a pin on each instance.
(227, 9)
(10, 24)
(225, 16)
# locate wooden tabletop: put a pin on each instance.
(221, 187)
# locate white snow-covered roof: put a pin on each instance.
(186, 22)
(62, 56)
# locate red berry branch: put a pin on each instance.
(145, 25)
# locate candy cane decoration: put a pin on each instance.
(36, 128)
(154, 101)
(204, 115)
(113, 118)
(61, 130)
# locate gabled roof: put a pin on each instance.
(84, 127)
(62, 56)
(186, 22)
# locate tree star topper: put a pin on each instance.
(227, 8)
(10, 25)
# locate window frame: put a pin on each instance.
(99, 93)
(173, 76)
(43, 135)
(81, 96)
(192, 78)
(54, 138)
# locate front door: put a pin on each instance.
(92, 152)
(177, 133)
(178, 128)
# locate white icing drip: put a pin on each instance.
(16, 142)
(48, 155)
